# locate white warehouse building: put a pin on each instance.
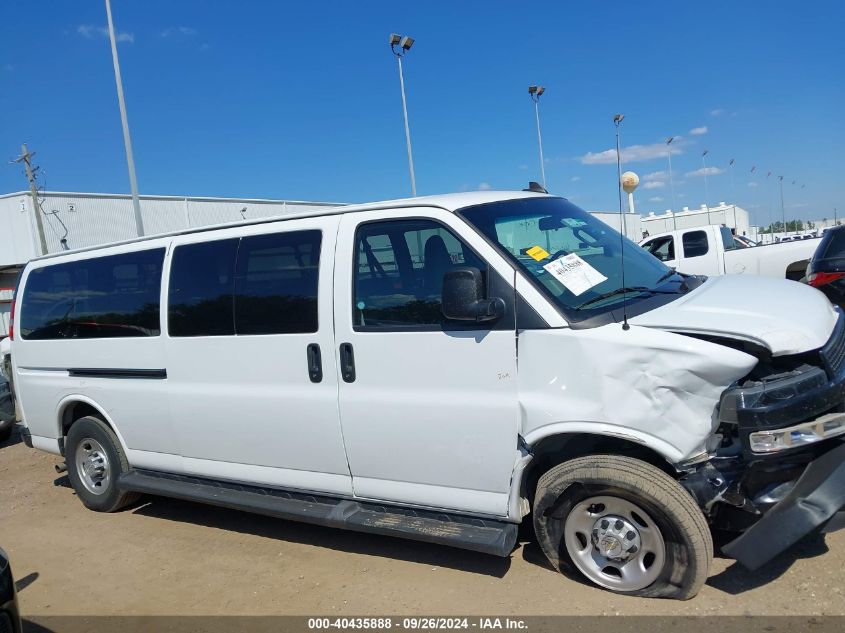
(730, 215)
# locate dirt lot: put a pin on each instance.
(168, 557)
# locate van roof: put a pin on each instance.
(449, 202)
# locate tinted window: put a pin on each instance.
(276, 283)
(695, 244)
(663, 248)
(727, 238)
(833, 244)
(102, 297)
(200, 297)
(399, 272)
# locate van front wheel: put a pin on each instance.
(624, 525)
(95, 460)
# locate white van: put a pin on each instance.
(441, 368)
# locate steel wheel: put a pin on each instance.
(615, 543)
(92, 466)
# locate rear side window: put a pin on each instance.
(201, 294)
(833, 244)
(116, 296)
(263, 284)
(727, 238)
(276, 283)
(663, 248)
(695, 244)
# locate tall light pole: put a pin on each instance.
(782, 208)
(127, 141)
(535, 92)
(704, 173)
(671, 181)
(755, 198)
(733, 190)
(404, 44)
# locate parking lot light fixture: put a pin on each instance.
(535, 92)
(400, 45)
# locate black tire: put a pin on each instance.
(6, 433)
(688, 544)
(87, 432)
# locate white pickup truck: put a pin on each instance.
(712, 250)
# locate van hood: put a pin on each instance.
(786, 317)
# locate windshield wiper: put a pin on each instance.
(613, 293)
(619, 291)
(666, 276)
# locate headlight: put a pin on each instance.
(772, 392)
(825, 427)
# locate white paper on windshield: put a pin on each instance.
(574, 273)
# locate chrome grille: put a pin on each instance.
(833, 353)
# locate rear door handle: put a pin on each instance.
(315, 362)
(347, 362)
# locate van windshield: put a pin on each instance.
(572, 256)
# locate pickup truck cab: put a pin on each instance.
(712, 250)
(443, 369)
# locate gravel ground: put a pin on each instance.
(165, 557)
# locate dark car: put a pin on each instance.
(826, 270)
(10, 619)
(7, 413)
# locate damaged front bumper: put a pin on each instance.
(779, 473)
(816, 501)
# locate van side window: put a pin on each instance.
(201, 294)
(399, 269)
(695, 244)
(116, 296)
(276, 283)
(663, 248)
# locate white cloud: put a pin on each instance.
(655, 199)
(655, 175)
(178, 30)
(523, 167)
(575, 179)
(699, 131)
(484, 186)
(88, 30)
(632, 153)
(717, 112)
(704, 171)
(654, 184)
(752, 184)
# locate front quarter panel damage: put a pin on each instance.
(650, 386)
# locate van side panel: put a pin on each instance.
(123, 377)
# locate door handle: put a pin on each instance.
(315, 362)
(347, 362)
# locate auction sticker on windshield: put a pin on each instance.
(574, 273)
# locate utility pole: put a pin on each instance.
(26, 159)
(127, 141)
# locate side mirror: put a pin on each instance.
(463, 297)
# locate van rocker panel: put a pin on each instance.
(480, 535)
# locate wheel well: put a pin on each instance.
(554, 450)
(75, 411)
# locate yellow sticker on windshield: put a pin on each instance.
(537, 253)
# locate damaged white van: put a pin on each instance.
(441, 369)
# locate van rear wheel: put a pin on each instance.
(623, 524)
(95, 460)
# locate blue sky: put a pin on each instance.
(300, 100)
